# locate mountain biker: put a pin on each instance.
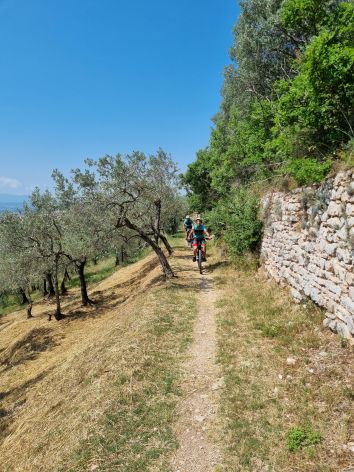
(187, 224)
(198, 233)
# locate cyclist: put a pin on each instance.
(199, 232)
(188, 225)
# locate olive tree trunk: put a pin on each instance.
(166, 243)
(166, 268)
(29, 305)
(57, 314)
(83, 286)
(50, 286)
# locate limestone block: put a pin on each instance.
(351, 293)
(345, 197)
(335, 209)
(348, 304)
(349, 209)
(328, 248)
(309, 246)
(322, 263)
(341, 313)
(349, 278)
(332, 287)
(331, 324)
(344, 254)
(340, 178)
(331, 305)
(335, 222)
(324, 217)
(339, 270)
(343, 233)
(343, 330)
(296, 295)
(314, 294)
(350, 221)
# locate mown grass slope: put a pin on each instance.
(97, 391)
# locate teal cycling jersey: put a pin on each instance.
(199, 232)
(188, 223)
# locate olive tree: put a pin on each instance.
(129, 194)
(86, 233)
(19, 267)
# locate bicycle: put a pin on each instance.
(189, 239)
(200, 256)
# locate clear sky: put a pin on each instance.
(84, 78)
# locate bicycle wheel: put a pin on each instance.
(200, 258)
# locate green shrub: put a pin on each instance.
(308, 170)
(299, 438)
(235, 219)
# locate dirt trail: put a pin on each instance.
(201, 382)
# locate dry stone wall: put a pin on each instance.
(308, 244)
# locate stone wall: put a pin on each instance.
(308, 244)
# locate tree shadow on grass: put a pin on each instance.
(28, 347)
(7, 415)
(217, 265)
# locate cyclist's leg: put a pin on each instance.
(204, 248)
(195, 249)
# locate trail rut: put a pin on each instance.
(201, 382)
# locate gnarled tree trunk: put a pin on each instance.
(29, 305)
(45, 291)
(57, 314)
(24, 297)
(160, 254)
(50, 286)
(66, 277)
(84, 295)
(166, 243)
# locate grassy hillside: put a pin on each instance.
(98, 388)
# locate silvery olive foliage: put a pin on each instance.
(116, 205)
(135, 192)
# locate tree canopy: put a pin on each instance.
(287, 103)
(111, 203)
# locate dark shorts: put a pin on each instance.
(198, 241)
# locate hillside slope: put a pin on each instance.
(59, 379)
(133, 383)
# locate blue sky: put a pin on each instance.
(82, 78)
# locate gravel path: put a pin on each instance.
(197, 453)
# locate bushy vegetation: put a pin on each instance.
(114, 207)
(237, 213)
(287, 109)
(299, 438)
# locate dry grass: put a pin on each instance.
(259, 328)
(91, 391)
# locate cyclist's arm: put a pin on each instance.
(207, 234)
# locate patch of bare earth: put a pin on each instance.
(197, 450)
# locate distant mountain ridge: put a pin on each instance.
(11, 202)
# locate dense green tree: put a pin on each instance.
(287, 107)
